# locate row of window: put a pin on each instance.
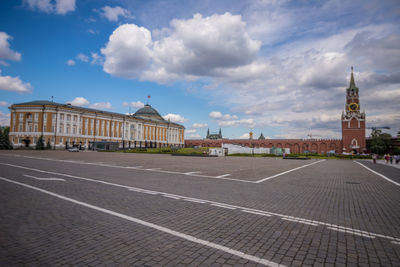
(103, 127)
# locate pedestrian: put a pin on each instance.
(374, 158)
(397, 158)
(386, 157)
(391, 159)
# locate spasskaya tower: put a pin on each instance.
(353, 121)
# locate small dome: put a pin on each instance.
(147, 111)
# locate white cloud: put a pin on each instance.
(134, 104)
(4, 104)
(79, 101)
(190, 131)
(64, 6)
(5, 51)
(92, 31)
(41, 5)
(4, 119)
(128, 51)
(199, 125)
(215, 114)
(175, 118)
(244, 136)
(236, 123)
(8, 83)
(101, 105)
(219, 115)
(70, 62)
(193, 136)
(82, 57)
(113, 13)
(194, 48)
(201, 45)
(96, 59)
(59, 7)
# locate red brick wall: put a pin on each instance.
(320, 146)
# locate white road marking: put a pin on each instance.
(223, 175)
(377, 173)
(137, 168)
(189, 173)
(194, 200)
(299, 221)
(257, 213)
(171, 197)
(395, 242)
(282, 173)
(153, 169)
(154, 226)
(350, 230)
(44, 179)
(223, 206)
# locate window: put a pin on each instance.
(21, 116)
(62, 117)
(45, 117)
(61, 140)
(20, 128)
(53, 117)
(74, 130)
(68, 117)
(36, 116)
(75, 118)
(29, 127)
(61, 128)
(68, 127)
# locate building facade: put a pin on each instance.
(64, 125)
(353, 133)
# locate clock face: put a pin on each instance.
(353, 106)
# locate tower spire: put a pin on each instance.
(352, 82)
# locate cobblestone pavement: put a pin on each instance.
(334, 212)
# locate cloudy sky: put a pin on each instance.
(270, 66)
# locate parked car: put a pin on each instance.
(73, 149)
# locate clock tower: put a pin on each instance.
(353, 121)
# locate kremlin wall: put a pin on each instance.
(353, 133)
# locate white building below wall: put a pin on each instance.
(236, 149)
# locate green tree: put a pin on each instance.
(40, 143)
(380, 142)
(4, 138)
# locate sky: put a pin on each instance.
(274, 67)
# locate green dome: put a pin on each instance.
(148, 111)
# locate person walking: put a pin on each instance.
(386, 157)
(374, 158)
(391, 159)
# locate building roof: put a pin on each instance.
(148, 111)
(145, 113)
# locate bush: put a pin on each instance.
(4, 138)
(40, 143)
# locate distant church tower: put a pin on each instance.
(353, 121)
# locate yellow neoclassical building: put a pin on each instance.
(64, 125)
